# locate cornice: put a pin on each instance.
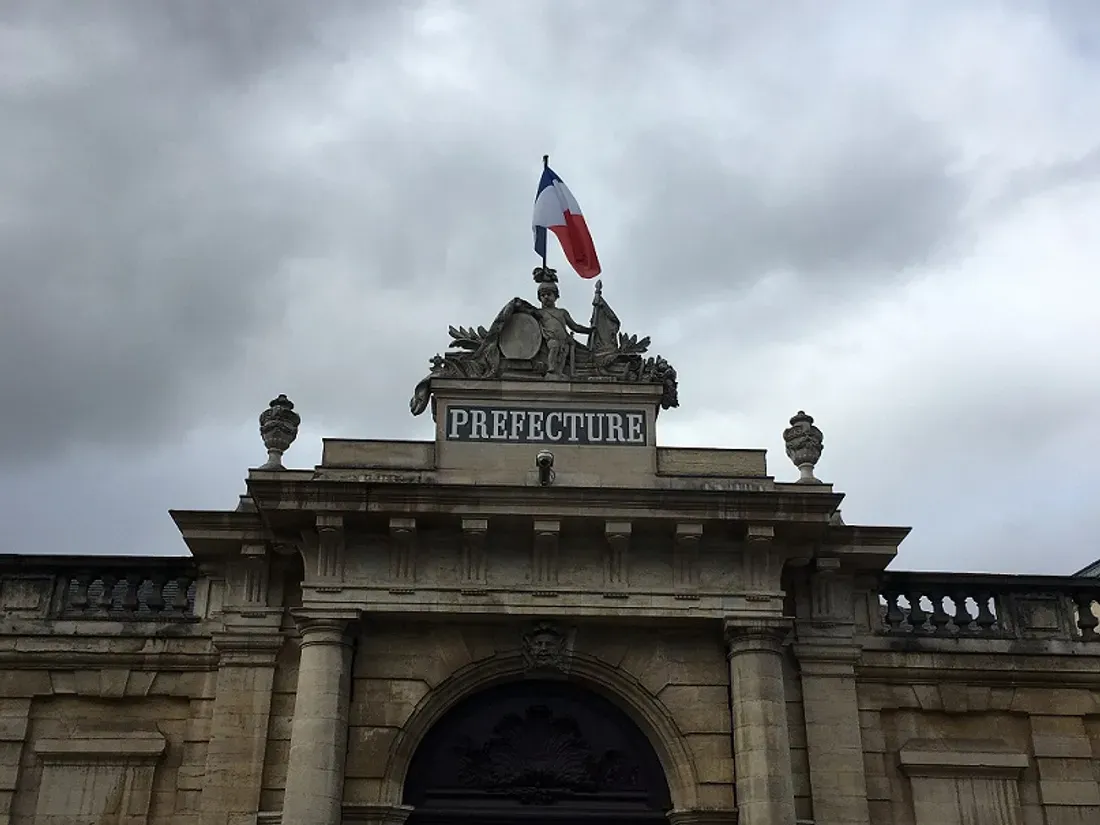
(70, 660)
(218, 525)
(988, 667)
(542, 502)
(847, 535)
(22, 565)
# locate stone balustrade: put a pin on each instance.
(950, 605)
(103, 588)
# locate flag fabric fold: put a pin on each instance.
(557, 210)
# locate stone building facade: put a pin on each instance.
(541, 616)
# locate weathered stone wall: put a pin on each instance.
(187, 718)
(1039, 742)
(116, 736)
(979, 699)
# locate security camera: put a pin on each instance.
(544, 461)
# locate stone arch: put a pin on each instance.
(621, 689)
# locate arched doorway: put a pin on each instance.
(536, 752)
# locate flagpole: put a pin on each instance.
(545, 165)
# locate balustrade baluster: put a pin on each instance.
(894, 618)
(987, 616)
(129, 599)
(963, 617)
(940, 618)
(77, 597)
(179, 602)
(155, 600)
(106, 598)
(1086, 619)
(918, 616)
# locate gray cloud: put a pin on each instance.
(203, 205)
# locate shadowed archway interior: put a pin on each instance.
(539, 751)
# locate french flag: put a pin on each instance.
(557, 210)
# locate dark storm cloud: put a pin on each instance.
(203, 204)
(140, 238)
(876, 196)
(156, 198)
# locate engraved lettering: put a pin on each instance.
(500, 420)
(517, 428)
(479, 430)
(553, 426)
(615, 427)
(545, 425)
(459, 419)
(534, 427)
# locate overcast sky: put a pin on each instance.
(884, 213)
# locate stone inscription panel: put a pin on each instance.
(546, 425)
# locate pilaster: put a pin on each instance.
(827, 655)
(241, 714)
(319, 732)
(761, 740)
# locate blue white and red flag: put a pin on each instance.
(558, 211)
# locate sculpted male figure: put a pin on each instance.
(556, 324)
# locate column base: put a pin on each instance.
(703, 817)
(376, 814)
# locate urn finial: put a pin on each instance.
(804, 445)
(278, 428)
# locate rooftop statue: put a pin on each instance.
(536, 342)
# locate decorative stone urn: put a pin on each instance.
(804, 445)
(278, 428)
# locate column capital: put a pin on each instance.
(317, 627)
(764, 633)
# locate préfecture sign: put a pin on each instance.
(546, 425)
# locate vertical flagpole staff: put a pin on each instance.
(545, 165)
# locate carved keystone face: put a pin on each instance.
(544, 647)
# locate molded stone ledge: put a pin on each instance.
(990, 758)
(109, 747)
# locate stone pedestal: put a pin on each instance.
(319, 733)
(762, 751)
(833, 744)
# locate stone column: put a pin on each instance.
(239, 727)
(319, 733)
(761, 742)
